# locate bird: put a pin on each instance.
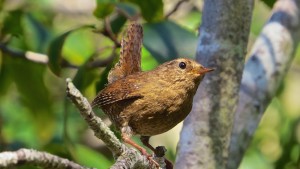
(149, 103)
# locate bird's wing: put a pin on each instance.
(130, 54)
(115, 93)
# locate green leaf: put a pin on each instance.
(54, 53)
(1, 4)
(190, 21)
(34, 95)
(35, 33)
(79, 47)
(55, 50)
(167, 40)
(90, 158)
(129, 9)
(28, 77)
(16, 118)
(5, 77)
(84, 77)
(12, 23)
(103, 77)
(148, 62)
(104, 8)
(117, 22)
(152, 10)
(269, 3)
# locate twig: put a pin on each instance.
(104, 62)
(109, 33)
(176, 7)
(32, 56)
(43, 59)
(100, 129)
(34, 157)
(126, 157)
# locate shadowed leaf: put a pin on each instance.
(12, 23)
(167, 40)
(104, 8)
(269, 3)
(152, 10)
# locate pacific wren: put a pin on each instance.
(152, 102)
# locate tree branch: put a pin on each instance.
(43, 59)
(176, 7)
(205, 136)
(100, 129)
(126, 157)
(33, 157)
(270, 59)
(109, 33)
(31, 56)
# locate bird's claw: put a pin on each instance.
(149, 157)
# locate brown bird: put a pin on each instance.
(152, 102)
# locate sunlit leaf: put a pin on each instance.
(148, 62)
(55, 50)
(191, 20)
(166, 40)
(91, 158)
(79, 47)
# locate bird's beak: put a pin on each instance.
(205, 70)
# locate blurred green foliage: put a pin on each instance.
(34, 111)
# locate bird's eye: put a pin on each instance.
(182, 65)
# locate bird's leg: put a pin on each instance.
(126, 138)
(145, 141)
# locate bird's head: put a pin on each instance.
(185, 69)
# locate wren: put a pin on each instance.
(152, 102)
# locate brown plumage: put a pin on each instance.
(147, 103)
(153, 102)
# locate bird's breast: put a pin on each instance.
(160, 109)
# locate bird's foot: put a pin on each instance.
(160, 152)
(143, 151)
(149, 157)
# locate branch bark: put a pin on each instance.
(270, 59)
(33, 157)
(125, 157)
(205, 136)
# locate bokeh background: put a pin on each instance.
(75, 36)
